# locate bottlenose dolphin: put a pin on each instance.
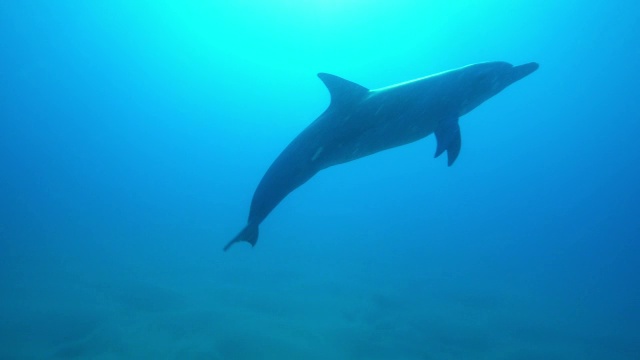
(360, 122)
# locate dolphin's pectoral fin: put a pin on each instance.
(448, 138)
(248, 234)
(454, 149)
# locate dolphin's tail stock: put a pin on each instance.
(248, 234)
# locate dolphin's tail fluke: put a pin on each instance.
(248, 234)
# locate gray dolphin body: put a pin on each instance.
(360, 122)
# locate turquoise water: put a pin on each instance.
(133, 134)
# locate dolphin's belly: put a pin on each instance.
(377, 132)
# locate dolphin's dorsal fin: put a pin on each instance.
(343, 92)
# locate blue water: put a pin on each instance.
(133, 134)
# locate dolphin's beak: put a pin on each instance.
(520, 71)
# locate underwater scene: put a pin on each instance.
(280, 179)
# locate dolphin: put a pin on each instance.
(361, 122)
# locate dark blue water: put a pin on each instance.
(133, 134)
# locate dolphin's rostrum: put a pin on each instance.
(360, 122)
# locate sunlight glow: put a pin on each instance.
(322, 7)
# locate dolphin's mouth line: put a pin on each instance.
(521, 71)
